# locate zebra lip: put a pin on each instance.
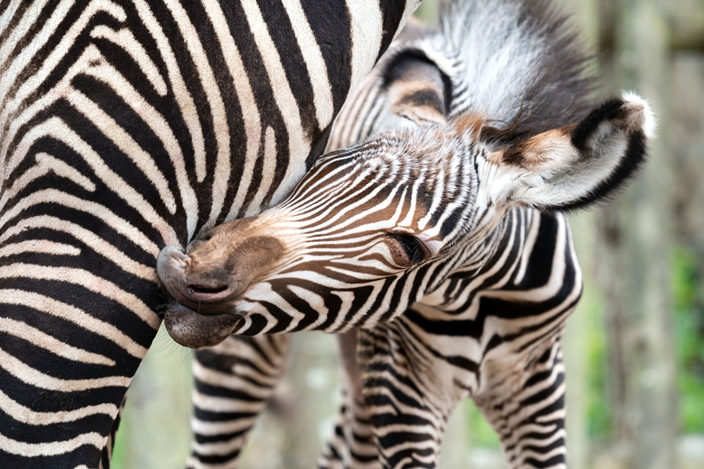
(208, 294)
(194, 330)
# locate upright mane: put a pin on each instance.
(518, 64)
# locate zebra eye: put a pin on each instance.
(406, 249)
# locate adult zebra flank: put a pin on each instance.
(126, 126)
(441, 237)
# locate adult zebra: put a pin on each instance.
(127, 125)
(443, 240)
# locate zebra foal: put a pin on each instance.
(125, 126)
(442, 240)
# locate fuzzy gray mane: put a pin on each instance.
(519, 63)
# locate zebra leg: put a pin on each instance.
(409, 398)
(233, 383)
(106, 455)
(526, 406)
(352, 444)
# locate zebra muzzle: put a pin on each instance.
(207, 281)
(206, 294)
(190, 329)
(198, 314)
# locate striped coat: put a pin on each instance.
(125, 126)
(439, 236)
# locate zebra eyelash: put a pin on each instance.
(412, 246)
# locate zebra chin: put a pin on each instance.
(194, 330)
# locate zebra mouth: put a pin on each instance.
(207, 293)
(200, 313)
(191, 329)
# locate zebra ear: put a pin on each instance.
(577, 165)
(416, 92)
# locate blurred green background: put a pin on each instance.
(635, 348)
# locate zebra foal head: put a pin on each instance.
(375, 227)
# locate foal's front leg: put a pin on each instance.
(413, 381)
(409, 396)
(525, 403)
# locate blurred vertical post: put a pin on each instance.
(638, 238)
(575, 343)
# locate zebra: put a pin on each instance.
(126, 126)
(235, 380)
(441, 240)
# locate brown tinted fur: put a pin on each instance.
(529, 153)
(224, 254)
(471, 123)
(419, 92)
(431, 109)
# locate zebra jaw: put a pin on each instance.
(206, 282)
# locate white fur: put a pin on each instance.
(643, 116)
(498, 57)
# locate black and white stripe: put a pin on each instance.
(439, 236)
(129, 125)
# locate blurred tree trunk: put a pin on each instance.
(686, 19)
(637, 239)
(575, 345)
(688, 133)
